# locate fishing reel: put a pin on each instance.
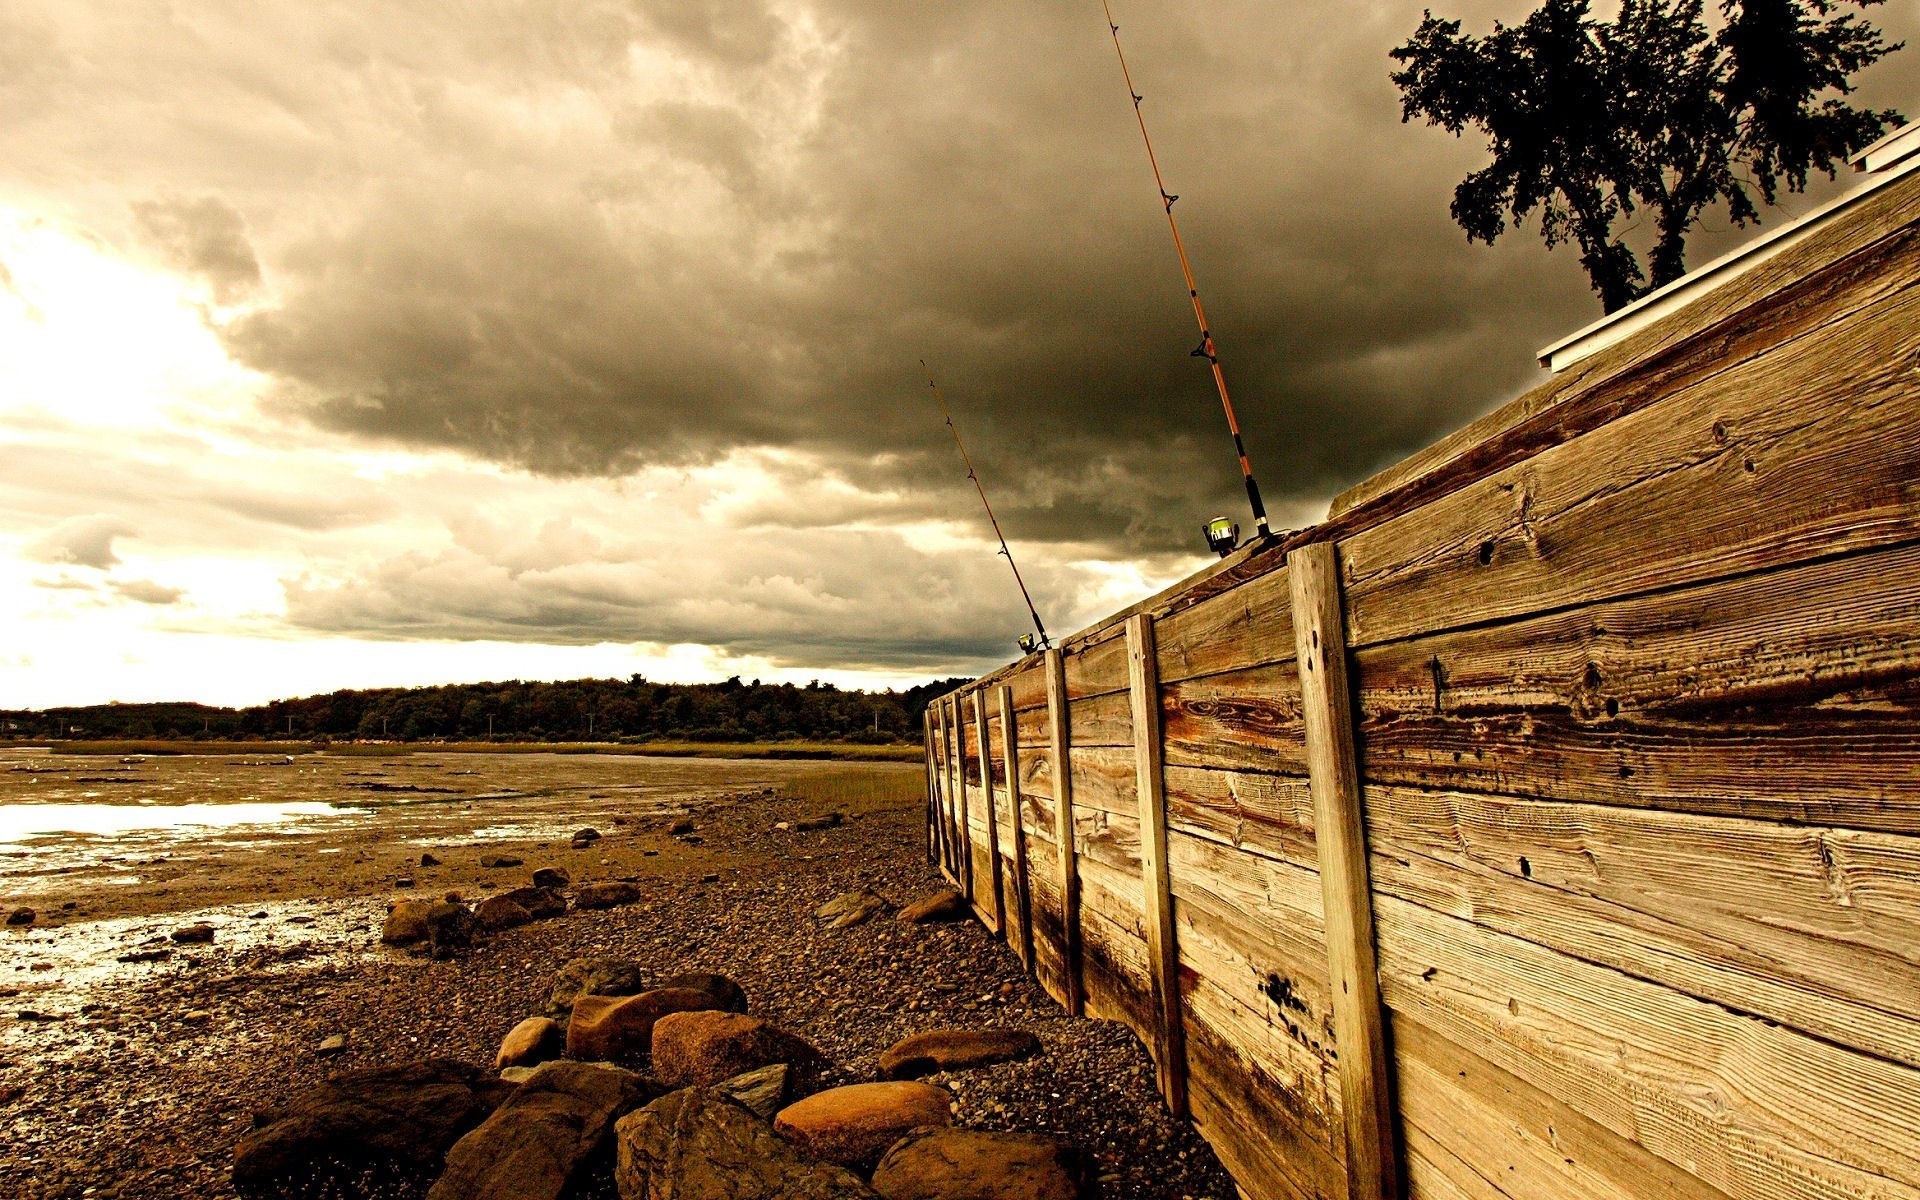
(1223, 535)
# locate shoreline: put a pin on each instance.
(137, 1079)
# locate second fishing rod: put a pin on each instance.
(1223, 543)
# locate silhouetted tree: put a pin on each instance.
(1591, 121)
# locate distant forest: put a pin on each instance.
(604, 710)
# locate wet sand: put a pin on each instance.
(136, 1078)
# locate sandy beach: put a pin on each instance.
(136, 1078)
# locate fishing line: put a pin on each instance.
(1206, 349)
(995, 521)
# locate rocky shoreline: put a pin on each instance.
(146, 1089)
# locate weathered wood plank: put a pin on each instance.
(1496, 1135)
(1791, 695)
(1818, 929)
(1163, 956)
(1268, 815)
(1717, 473)
(994, 911)
(1248, 626)
(1795, 295)
(1118, 983)
(962, 857)
(1023, 911)
(1334, 769)
(1103, 777)
(1099, 669)
(1754, 1109)
(1029, 686)
(1267, 1152)
(1247, 720)
(1103, 720)
(1059, 759)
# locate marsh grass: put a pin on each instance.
(860, 789)
(843, 751)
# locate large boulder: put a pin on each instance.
(403, 1118)
(449, 929)
(619, 1029)
(852, 1125)
(552, 877)
(593, 976)
(496, 913)
(946, 904)
(611, 894)
(726, 991)
(703, 1048)
(542, 902)
(530, 1043)
(954, 1050)
(849, 909)
(696, 1145)
(973, 1164)
(535, 1143)
(406, 923)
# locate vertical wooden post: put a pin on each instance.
(1010, 753)
(933, 821)
(963, 826)
(1163, 956)
(1333, 767)
(999, 907)
(944, 796)
(1061, 744)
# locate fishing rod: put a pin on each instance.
(1026, 640)
(1206, 349)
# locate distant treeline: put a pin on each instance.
(608, 710)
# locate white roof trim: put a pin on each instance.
(1889, 149)
(1892, 157)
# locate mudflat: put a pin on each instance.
(131, 1063)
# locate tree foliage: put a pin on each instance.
(634, 709)
(1594, 123)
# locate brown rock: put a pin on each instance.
(849, 909)
(542, 902)
(536, 1142)
(593, 976)
(406, 923)
(404, 1117)
(552, 877)
(955, 1049)
(619, 1029)
(971, 1164)
(22, 916)
(499, 862)
(193, 935)
(762, 1092)
(700, 1049)
(944, 905)
(605, 895)
(497, 913)
(695, 1145)
(852, 1125)
(449, 928)
(531, 1042)
(727, 993)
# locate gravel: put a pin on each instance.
(142, 1088)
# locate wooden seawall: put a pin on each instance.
(1546, 824)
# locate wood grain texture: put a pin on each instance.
(1244, 719)
(1340, 832)
(1266, 815)
(1163, 956)
(1748, 1107)
(1476, 1130)
(1059, 754)
(1718, 472)
(1023, 912)
(1817, 929)
(1098, 668)
(956, 779)
(994, 910)
(1249, 626)
(1790, 695)
(1103, 720)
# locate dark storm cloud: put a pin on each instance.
(203, 236)
(654, 233)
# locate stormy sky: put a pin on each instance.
(346, 344)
